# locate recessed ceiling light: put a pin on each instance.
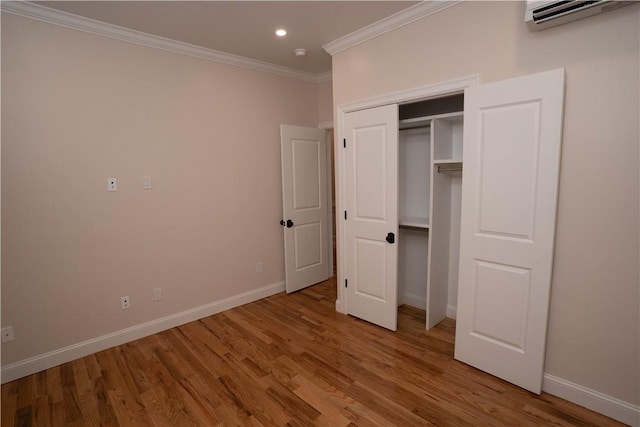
(281, 32)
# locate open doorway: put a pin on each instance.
(332, 173)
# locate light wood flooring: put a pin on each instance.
(284, 360)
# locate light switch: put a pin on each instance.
(146, 183)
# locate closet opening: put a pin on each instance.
(429, 201)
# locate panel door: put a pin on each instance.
(371, 168)
(512, 137)
(305, 206)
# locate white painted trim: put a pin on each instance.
(452, 312)
(421, 302)
(322, 77)
(414, 300)
(328, 125)
(591, 399)
(53, 358)
(399, 97)
(390, 23)
(328, 137)
(414, 94)
(68, 20)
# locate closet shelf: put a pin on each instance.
(451, 162)
(414, 222)
(414, 123)
(425, 121)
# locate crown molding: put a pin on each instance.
(68, 20)
(397, 20)
(323, 77)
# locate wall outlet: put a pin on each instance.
(112, 184)
(7, 334)
(259, 267)
(124, 302)
(157, 294)
(146, 183)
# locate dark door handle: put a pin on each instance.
(287, 224)
(391, 238)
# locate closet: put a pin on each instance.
(416, 228)
(429, 199)
(402, 196)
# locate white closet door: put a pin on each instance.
(372, 214)
(512, 136)
(304, 194)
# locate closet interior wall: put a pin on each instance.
(430, 183)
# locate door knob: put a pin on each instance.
(287, 224)
(391, 238)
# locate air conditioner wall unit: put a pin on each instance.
(544, 14)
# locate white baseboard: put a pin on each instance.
(414, 301)
(452, 312)
(66, 354)
(591, 399)
(420, 302)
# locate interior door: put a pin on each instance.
(371, 179)
(512, 137)
(304, 194)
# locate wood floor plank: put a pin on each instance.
(321, 400)
(215, 398)
(9, 408)
(286, 360)
(25, 392)
(255, 402)
(105, 411)
(42, 411)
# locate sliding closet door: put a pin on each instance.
(512, 136)
(371, 168)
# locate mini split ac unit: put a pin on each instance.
(544, 14)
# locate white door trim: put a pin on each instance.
(400, 97)
(328, 126)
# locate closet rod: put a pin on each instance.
(443, 169)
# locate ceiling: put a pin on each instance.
(244, 28)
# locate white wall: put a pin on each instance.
(594, 337)
(77, 109)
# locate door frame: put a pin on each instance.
(329, 129)
(421, 93)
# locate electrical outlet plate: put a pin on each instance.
(125, 302)
(259, 267)
(157, 294)
(7, 334)
(112, 184)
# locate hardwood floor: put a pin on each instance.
(284, 360)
